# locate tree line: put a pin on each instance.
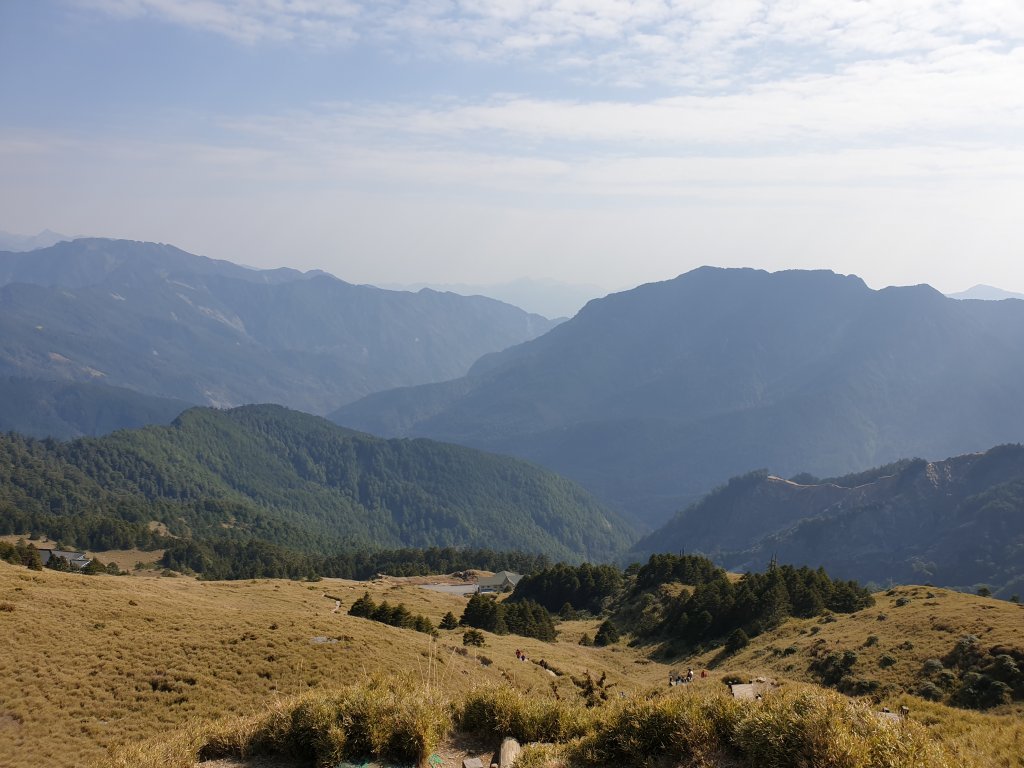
(523, 617)
(718, 606)
(394, 615)
(227, 559)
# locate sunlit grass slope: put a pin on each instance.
(894, 643)
(89, 662)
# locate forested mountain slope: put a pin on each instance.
(958, 523)
(163, 322)
(68, 409)
(271, 474)
(654, 396)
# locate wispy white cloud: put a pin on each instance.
(307, 22)
(697, 43)
(965, 94)
(716, 123)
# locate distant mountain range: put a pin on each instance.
(549, 298)
(956, 523)
(651, 397)
(168, 324)
(12, 242)
(986, 293)
(270, 474)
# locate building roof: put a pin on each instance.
(77, 559)
(499, 579)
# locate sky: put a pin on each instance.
(608, 142)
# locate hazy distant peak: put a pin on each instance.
(541, 296)
(20, 243)
(985, 293)
(921, 289)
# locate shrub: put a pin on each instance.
(686, 728)
(380, 719)
(607, 634)
(737, 640)
(473, 637)
(930, 691)
(826, 729)
(504, 711)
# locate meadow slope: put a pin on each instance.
(93, 663)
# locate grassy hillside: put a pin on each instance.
(91, 662)
(150, 655)
(271, 474)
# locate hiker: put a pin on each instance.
(519, 655)
(703, 673)
(689, 675)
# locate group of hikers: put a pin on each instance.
(520, 655)
(674, 678)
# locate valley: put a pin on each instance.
(549, 384)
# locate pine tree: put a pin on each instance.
(607, 634)
(364, 607)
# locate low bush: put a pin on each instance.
(379, 719)
(505, 711)
(384, 719)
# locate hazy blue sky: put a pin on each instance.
(607, 142)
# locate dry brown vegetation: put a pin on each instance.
(907, 624)
(893, 639)
(90, 662)
(94, 662)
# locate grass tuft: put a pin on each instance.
(505, 711)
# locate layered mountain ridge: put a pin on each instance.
(956, 522)
(162, 322)
(651, 397)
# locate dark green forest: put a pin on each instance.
(226, 559)
(583, 587)
(268, 474)
(520, 617)
(712, 609)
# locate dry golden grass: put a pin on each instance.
(386, 718)
(90, 662)
(93, 662)
(926, 624)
